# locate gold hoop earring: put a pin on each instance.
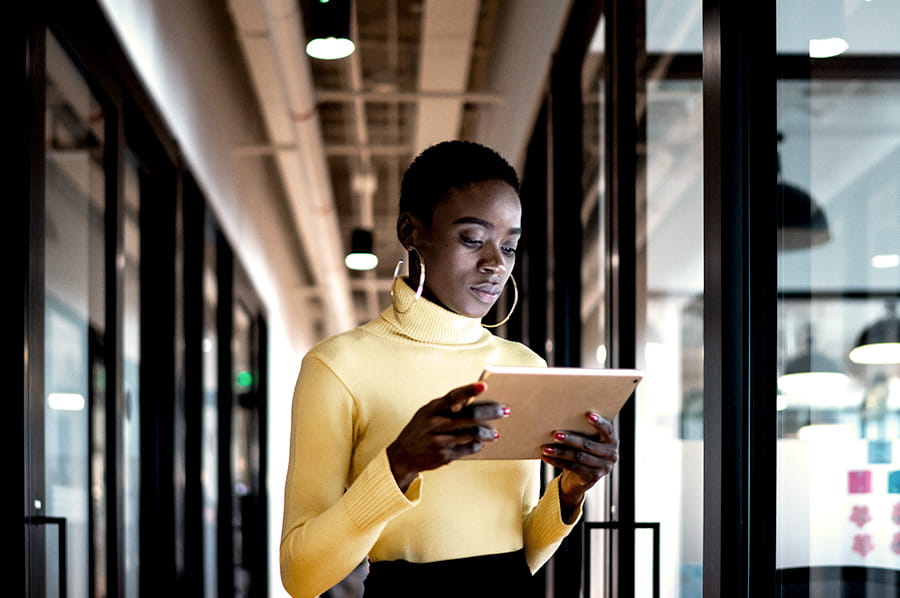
(419, 290)
(511, 309)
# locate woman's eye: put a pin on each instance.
(470, 241)
(509, 250)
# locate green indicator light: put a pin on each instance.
(245, 379)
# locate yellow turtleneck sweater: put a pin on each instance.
(354, 394)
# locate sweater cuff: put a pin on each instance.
(548, 522)
(374, 497)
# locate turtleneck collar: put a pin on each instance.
(426, 321)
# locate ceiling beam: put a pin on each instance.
(448, 39)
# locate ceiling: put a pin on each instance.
(343, 131)
(414, 79)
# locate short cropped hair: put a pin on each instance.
(446, 166)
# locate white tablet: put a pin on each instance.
(543, 400)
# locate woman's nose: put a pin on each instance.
(492, 259)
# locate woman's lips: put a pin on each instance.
(487, 293)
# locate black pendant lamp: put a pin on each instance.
(802, 222)
(329, 29)
(811, 372)
(879, 343)
(362, 255)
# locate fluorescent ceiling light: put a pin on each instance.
(65, 401)
(886, 260)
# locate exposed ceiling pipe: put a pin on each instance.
(270, 33)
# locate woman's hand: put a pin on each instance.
(583, 458)
(442, 431)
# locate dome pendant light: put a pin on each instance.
(811, 374)
(329, 37)
(802, 223)
(879, 343)
(361, 256)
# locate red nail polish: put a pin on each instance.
(480, 386)
(593, 417)
(559, 436)
(548, 450)
(506, 410)
(496, 434)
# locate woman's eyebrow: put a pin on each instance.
(484, 223)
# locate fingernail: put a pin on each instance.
(593, 417)
(548, 450)
(496, 434)
(506, 410)
(559, 435)
(480, 386)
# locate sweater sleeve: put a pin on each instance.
(328, 527)
(543, 527)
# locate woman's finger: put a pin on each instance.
(599, 460)
(459, 397)
(480, 411)
(581, 442)
(604, 427)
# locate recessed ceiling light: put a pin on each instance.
(886, 260)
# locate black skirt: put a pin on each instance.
(496, 575)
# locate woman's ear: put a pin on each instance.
(406, 224)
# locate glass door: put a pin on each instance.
(73, 498)
(654, 171)
(838, 403)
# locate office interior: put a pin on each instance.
(711, 194)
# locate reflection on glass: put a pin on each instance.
(838, 451)
(243, 458)
(131, 411)
(593, 277)
(669, 429)
(210, 457)
(669, 405)
(74, 324)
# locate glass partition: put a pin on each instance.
(131, 410)
(838, 407)
(594, 348)
(668, 187)
(243, 448)
(210, 457)
(75, 322)
(669, 406)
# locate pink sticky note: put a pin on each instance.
(859, 482)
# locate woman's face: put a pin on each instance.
(470, 247)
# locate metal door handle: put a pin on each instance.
(60, 522)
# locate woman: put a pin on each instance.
(375, 469)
